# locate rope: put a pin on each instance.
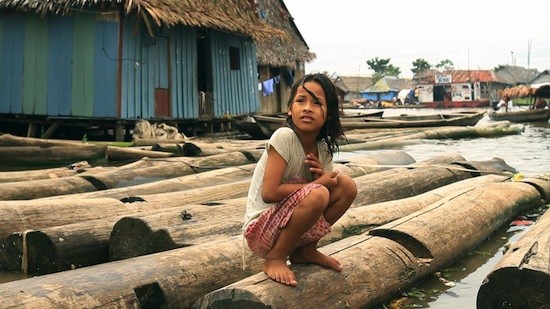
(24, 253)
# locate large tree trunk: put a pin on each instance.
(48, 173)
(392, 257)
(52, 155)
(521, 279)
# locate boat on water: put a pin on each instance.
(525, 115)
(532, 114)
(457, 104)
(269, 124)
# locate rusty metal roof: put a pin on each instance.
(468, 76)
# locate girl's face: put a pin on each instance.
(308, 112)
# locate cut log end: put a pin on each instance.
(514, 288)
(230, 298)
(130, 237)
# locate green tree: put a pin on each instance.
(420, 65)
(382, 67)
(445, 64)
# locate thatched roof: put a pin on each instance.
(526, 91)
(278, 53)
(237, 16)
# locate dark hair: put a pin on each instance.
(332, 130)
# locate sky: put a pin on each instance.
(473, 34)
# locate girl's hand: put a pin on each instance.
(329, 179)
(315, 165)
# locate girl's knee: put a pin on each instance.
(319, 197)
(348, 186)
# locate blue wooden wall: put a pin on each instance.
(58, 66)
(69, 66)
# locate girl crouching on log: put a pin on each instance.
(295, 196)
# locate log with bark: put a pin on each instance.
(52, 155)
(521, 278)
(182, 183)
(392, 257)
(142, 171)
(47, 173)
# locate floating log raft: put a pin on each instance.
(378, 268)
(397, 178)
(521, 279)
(392, 257)
(150, 232)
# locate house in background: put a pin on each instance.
(542, 78)
(351, 86)
(458, 88)
(386, 89)
(514, 75)
(109, 64)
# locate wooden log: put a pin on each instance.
(12, 140)
(28, 190)
(115, 153)
(182, 183)
(360, 219)
(48, 173)
(174, 278)
(152, 232)
(521, 278)
(391, 258)
(145, 170)
(435, 133)
(197, 148)
(52, 155)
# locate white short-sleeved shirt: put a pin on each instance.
(285, 141)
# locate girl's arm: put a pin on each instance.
(274, 190)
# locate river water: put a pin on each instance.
(528, 152)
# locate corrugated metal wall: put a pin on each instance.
(58, 66)
(67, 66)
(235, 91)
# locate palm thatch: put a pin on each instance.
(237, 16)
(279, 53)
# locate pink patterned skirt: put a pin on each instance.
(262, 234)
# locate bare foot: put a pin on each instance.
(278, 270)
(313, 256)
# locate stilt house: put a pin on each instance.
(109, 63)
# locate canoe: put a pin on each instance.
(269, 124)
(250, 125)
(528, 115)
